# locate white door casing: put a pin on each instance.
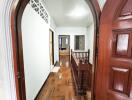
(7, 79)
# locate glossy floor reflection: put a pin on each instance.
(60, 86)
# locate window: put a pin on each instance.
(79, 42)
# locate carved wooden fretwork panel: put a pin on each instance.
(120, 80)
(40, 9)
(122, 46)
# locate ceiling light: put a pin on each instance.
(78, 12)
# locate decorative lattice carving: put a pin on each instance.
(39, 8)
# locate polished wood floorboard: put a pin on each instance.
(60, 86)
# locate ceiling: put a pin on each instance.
(71, 13)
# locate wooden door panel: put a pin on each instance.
(120, 65)
(120, 84)
(121, 62)
(116, 96)
(120, 80)
(131, 84)
(127, 9)
(115, 52)
(121, 43)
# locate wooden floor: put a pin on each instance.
(59, 86)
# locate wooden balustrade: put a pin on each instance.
(81, 71)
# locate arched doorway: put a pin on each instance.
(17, 11)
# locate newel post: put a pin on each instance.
(88, 54)
(71, 55)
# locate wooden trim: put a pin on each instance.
(96, 11)
(52, 45)
(82, 71)
(59, 44)
(16, 17)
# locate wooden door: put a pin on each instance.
(51, 47)
(114, 70)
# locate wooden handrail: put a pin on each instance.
(80, 71)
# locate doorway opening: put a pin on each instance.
(51, 47)
(64, 49)
(18, 39)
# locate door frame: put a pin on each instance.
(50, 30)
(18, 7)
(59, 44)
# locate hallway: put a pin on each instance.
(42, 46)
(99, 30)
(59, 86)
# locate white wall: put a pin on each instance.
(90, 41)
(3, 66)
(35, 34)
(52, 24)
(72, 31)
